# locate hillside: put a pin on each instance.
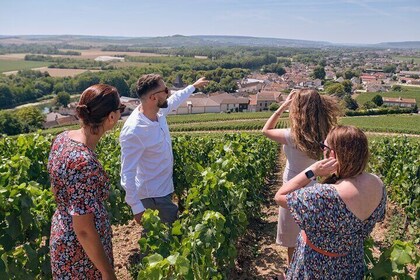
(191, 41)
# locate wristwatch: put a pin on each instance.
(310, 175)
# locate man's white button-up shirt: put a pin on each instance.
(146, 154)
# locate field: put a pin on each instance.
(14, 65)
(407, 58)
(386, 123)
(408, 92)
(94, 53)
(254, 122)
(11, 63)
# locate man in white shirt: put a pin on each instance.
(146, 148)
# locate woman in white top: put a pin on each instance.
(311, 117)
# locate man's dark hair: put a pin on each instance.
(146, 83)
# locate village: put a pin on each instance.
(258, 91)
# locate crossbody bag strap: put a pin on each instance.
(319, 250)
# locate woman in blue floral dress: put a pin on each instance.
(80, 243)
(336, 216)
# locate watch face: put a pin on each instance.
(309, 174)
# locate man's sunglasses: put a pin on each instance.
(166, 90)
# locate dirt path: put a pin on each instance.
(259, 256)
(126, 248)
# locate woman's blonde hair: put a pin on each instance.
(350, 146)
(311, 117)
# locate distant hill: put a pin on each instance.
(262, 42)
(400, 45)
(188, 41)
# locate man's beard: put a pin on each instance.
(164, 104)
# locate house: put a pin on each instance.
(355, 81)
(374, 87)
(106, 58)
(329, 75)
(230, 103)
(265, 98)
(368, 78)
(317, 83)
(130, 104)
(340, 80)
(57, 119)
(409, 73)
(129, 100)
(400, 102)
(252, 106)
(250, 85)
(197, 105)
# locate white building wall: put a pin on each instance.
(213, 109)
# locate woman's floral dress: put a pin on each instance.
(330, 226)
(80, 186)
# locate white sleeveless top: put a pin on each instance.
(296, 161)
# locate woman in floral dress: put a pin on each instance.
(80, 243)
(335, 217)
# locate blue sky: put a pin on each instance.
(340, 21)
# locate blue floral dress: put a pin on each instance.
(80, 186)
(330, 226)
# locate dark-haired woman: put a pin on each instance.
(80, 243)
(335, 217)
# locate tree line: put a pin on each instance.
(41, 49)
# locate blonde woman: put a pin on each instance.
(311, 117)
(335, 217)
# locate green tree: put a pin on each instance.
(377, 99)
(369, 105)
(273, 106)
(31, 118)
(348, 74)
(350, 103)
(43, 87)
(6, 96)
(335, 89)
(117, 80)
(9, 124)
(396, 88)
(273, 68)
(390, 68)
(348, 86)
(319, 72)
(62, 98)
(84, 81)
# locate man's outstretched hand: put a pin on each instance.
(202, 82)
